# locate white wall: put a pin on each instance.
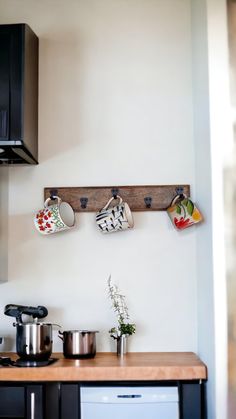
(115, 107)
(206, 325)
(221, 138)
(131, 92)
(230, 233)
(211, 134)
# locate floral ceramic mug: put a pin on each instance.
(183, 212)
(54, 218)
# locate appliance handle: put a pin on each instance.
(16, 311)
(36, 312)
(32, 405)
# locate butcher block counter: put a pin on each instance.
(108, 367)
(54, 391)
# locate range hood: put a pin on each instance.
(18, 95)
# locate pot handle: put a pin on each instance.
(61, 337)
(56, 325)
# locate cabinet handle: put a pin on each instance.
(32, 405)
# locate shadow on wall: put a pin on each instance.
(55, 315)
(32, 255)
(60, 88)
(9, 343)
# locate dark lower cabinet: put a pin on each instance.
(70, 401)
(22, 401)
(62, 400)
(52, 400)
(192, 406)
(12, 402)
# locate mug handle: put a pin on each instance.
(49, 199)
(173, 202)
(110, 200)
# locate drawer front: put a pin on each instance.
(12, 402)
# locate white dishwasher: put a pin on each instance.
(129, 402)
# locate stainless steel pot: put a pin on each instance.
(78, 343)
(34, 341)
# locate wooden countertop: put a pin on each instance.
(106, 366)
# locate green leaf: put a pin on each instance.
(184, 202)
(178, 209)
(127, 328)
(190, 207)
(113, 330)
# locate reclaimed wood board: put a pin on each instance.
(139, 198)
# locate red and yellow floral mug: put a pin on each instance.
(183, 212)
(54, 218)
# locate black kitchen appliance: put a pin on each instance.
(16, 310)
(18, 95)
(8, 362)
(33, 338)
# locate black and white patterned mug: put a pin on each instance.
(116, 218)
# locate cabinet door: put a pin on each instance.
(34, 402)
(191, 401)
(4, 85)
(12, 402)
(11, 55)
(70, 401)
(52, 394)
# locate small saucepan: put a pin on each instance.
(78, 343)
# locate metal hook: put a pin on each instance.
(53, 193)
(148, 201)
(114, 192)
(83, 202)
(179, 190)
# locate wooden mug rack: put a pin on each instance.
(139, 198)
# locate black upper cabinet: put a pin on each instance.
(18, 95)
